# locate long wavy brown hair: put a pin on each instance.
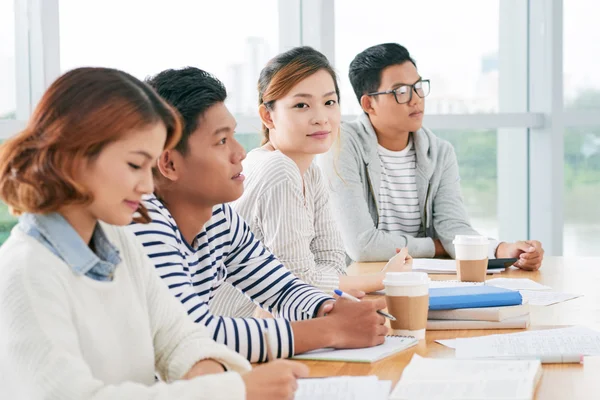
(80, 113)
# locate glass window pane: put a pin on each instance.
(8, 93)
(249, 140)
(582, 186)
(233, 39)
(456, 50)
(7, 221)
(581, 60)
(476, 151)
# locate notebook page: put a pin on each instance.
(343, 388)
(392, 345)
(427, 378)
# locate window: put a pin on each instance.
(582, 185)
(7, 221)
(456, 50)
(580, 65)
(8, 93)
(232, 39)
(476, 151)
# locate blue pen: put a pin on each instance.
(344, 295)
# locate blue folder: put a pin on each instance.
(472, 297)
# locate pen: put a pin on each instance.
(345, 295)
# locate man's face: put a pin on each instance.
(386, 114)
(210, 173)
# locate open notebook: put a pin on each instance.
(440, 379)
(392, 345)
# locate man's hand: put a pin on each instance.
(204, 367)
(357, 324)
(325, 308)
(440, 251)
(529, 252)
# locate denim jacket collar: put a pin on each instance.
(66, 243)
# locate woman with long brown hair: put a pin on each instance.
(82, 312)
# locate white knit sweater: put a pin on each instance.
(66, 337)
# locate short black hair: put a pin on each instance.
(365, 69)
(191, 91)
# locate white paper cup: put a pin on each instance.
(471, 257)
(407, 297)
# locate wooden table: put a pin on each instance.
(559, 381)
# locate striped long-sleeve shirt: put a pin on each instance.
(227, 251)
(290, 214)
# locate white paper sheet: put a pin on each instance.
(432, 264)
(343, 388)
(437, 266)
(434, 379)
(516, 284)
(544, 344)
(542, 298)
(446, 284)
(573, 330)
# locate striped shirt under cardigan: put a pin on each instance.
(226, 250)
(290, 215)
(398, 197)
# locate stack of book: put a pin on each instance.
(476, 307)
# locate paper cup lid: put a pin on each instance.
(470, 240)
(405, 278)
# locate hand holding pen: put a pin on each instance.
(344, 295)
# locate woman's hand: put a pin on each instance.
(401, 262)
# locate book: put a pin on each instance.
(472, 297)
(437, 379)
(521, 322)
(392, 345)
(343, 388)
(481, 313)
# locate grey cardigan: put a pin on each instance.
(354, 172)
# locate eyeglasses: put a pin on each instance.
(404, 93)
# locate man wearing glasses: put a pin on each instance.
(394, 183)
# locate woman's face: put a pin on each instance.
(307, 119)
(121, 173)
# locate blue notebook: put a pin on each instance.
(472, 297)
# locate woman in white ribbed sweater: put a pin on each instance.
(286, 200)
(83, 314)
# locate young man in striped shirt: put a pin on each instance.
(197, 243)
(394, 183)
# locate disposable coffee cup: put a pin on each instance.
(407, 297)
(471, 257)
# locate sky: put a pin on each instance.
(448, 39)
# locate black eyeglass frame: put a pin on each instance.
(412, 87)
